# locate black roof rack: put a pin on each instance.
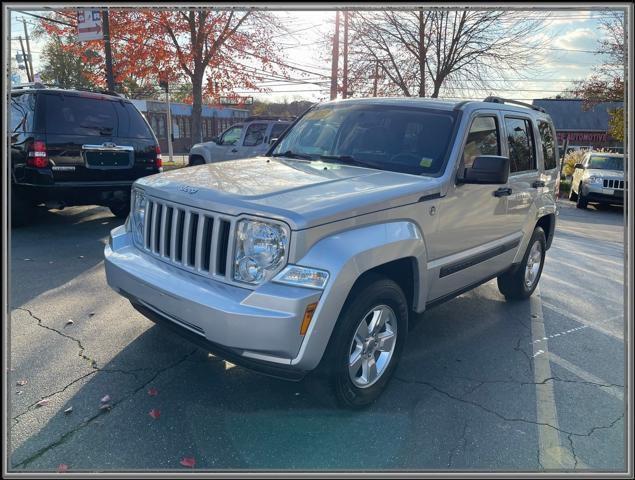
(39, 85)
(515, 102)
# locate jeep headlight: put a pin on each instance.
(593, 179)
(138, 215)
(260, 250)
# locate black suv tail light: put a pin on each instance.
(37, 156)
(158, 160)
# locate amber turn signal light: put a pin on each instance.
(308, 315)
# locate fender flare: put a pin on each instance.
(346, 256)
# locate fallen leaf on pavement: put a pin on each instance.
(91, 314)
(43, 402)
(105, 399)
(153, 392)
(154, 413)
(62, 467)
(27, 259)
(105, 406)
(19, 392)
(22, 383)
(188, 462)
(70, 322)
(68, 410)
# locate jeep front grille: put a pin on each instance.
(187, 237)
(619, 184)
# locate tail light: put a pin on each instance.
(37, 156)
(558, 187)
(158, 160)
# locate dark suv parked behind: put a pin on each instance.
(71, 147)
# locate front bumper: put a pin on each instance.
(259, 328)
(597, 193)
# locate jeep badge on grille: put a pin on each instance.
(188, 189)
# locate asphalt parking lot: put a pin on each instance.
(483, 385)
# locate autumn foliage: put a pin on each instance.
(215, 51)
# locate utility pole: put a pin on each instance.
(110, 78)
(29, 61)
(165, 84)
(345, 75)
(375, 78)
(26, 62)
(336, 54)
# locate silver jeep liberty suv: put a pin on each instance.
(312, 260)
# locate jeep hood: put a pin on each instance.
(304, 194)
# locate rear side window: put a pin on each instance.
(482, 139)
(22, 111)
(520, 140)
(70, 115)
(131, 123)
(548, 145)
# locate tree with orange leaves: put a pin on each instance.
(215, 50)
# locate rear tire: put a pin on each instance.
(120, 210)
(572, 195)
(520, 281)
(582, 201)
(196, 160)
(357, 366)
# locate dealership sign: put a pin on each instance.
(583, 136)
(89, 25)
(236, 100)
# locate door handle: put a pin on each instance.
(503, 192)
(538, 184)
(233, 150)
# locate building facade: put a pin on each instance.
(213, 122)
(583, 128)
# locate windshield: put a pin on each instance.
(606, 162)
(400, 139)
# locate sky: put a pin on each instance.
(573, 33)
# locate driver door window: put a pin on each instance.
(231, 136)
(255, 134)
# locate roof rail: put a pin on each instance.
(28, 85)
(267, 117)
(515, 102)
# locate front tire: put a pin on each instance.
(572, 195)
(520, 281)
(366, 343)
(196, 160)
(582, 201)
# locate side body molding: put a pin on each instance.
(346, 256)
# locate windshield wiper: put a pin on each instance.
(292, 154)
(347, 160)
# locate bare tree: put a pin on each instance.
(419, 52)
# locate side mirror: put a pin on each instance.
(487, 169)
(215, 139)
(273, 140)
(578, 165)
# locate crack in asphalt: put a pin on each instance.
(555, 379)
(518, 348)
(575, 457)
(82, 349)
(66, 436)
(502, 417)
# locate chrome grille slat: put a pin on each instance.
(213, 247)
(153, 232)
(200, 231)
(187, 230)
(162, 231)
(175, 220)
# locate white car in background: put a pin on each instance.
(251, 138)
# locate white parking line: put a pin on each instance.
(607, 329)
(553, 456)
(587, 377)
